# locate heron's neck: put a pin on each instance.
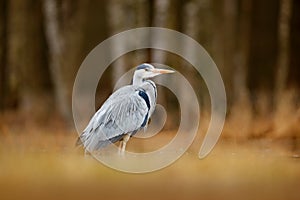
(137, 80)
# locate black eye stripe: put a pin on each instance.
(143, 66)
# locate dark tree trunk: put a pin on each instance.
(241, 93)
(263, 51)
(294, 72)
(26, 57)
(230, 34)
(3, 47)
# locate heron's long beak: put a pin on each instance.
(162, 71)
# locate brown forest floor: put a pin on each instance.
(40, 163)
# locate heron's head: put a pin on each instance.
(146, 70)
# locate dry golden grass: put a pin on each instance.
(44, 164)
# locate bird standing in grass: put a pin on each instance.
(124, 113)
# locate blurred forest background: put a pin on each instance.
(256, 46)
(254, 43)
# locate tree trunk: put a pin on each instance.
(263, 52)
(294, 71)
(284, 98)
(283, 46)
(164, 15)
(56, 46)
(125, 15)
(241, 93)
(64, 25)
(218, 36)
(240, 125)
(3, 47)
(26, 57)
(262, 64)
(230, 34)
(287, 115)
(190, 26)
(118, 14)
(202, 22)
(142, 12)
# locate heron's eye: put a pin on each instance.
(147, 70)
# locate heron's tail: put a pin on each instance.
(92, 143)
(78, 142)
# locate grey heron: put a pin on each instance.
(124, 113)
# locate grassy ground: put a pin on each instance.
(35, 165)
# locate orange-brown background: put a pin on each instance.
(255, 45)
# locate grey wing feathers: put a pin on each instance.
(123, 112)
